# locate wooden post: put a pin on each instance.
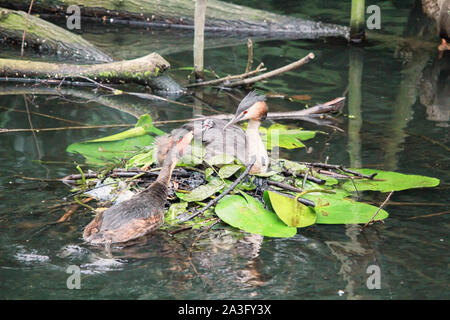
(357, 33)
(199, 28)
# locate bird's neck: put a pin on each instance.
(166, 171)
(255, 147)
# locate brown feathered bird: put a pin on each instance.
(225, 138)
(144, 212)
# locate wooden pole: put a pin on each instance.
(199, 31)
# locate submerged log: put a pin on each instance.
(46, 37)
(144, 70)
(220, 16)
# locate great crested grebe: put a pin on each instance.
(144, 212)
(225, 138)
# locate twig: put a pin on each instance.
(379, 209)
(25, 29)
(304, 201)
(430, 215)
(341, 168)
(31, 127)
(273, 73)
(227, 78)
(308, 177)
(193, 244)
(284, 186)
(4, 130)
(43, 115)
(71, 210)
(224, 193)
(356, 189)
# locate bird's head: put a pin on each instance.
(252, 107)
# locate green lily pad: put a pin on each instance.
(334, 209)
(110, 151)
(228, 170)
(175, 210)
(386, 181)
(141, 159)
(290, 211)
(280, 135)
(118, 146)
(248, 214)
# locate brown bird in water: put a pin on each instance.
(225, 138)
(144, 212)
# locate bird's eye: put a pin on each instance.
(245, 112)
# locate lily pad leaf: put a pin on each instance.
(141, 159)
(142, 127)
(203, 192)
(334, 209)
(118, 146)
(290, 211)
(228, 170)
(248, 214)
(110, 151)
(386, 181)
(280, 135)
(175, 210)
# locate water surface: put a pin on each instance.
(400, 108)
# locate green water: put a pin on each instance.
(399, 125)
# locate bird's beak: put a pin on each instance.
(235, 119)
(183, 143)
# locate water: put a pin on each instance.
(401, 127)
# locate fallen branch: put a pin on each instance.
(19, 29)
(142, 70)
(71, 210)
(430, 215)
(341, 168)
(272, 73)
(379, 209)
(228, 78)
(304, 201)
(220, 17)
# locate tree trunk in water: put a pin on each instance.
(142, 70)
(220, 16)
(46, 38)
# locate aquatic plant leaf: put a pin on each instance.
(110, 151)
(248, 214)
(221, 159)
(228, 170)
(209, 172)
(280, 135)
(290, 211)
(386, 181)
(141, 159)
(143, 126)
(293, 166)
(202, 192)
(175, 210)
(334, 209)
(117, 146)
